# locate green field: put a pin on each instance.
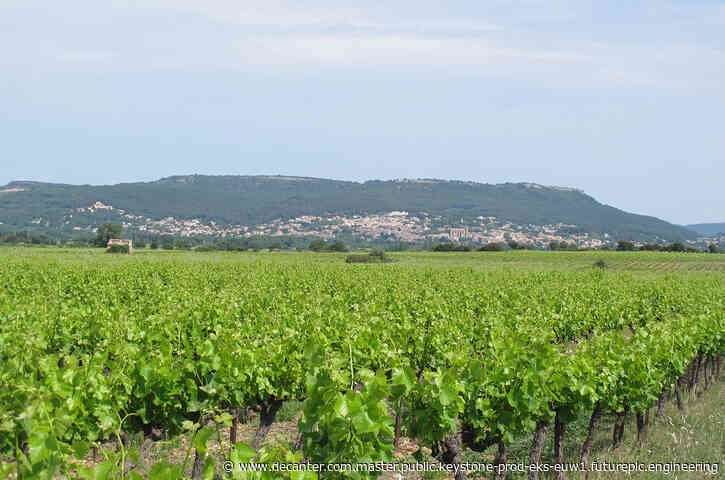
(532, 260)
(153, 364)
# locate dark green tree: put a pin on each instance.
(514, 245)
(625, 246)
(106, 232)
(676, 247)
(338, 246)
(317, 245)
(180, 244)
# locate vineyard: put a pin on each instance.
(449, 352)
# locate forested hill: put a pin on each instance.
(707, 228)
(252, 200)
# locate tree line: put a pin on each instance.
(143, 240)
(627, 246)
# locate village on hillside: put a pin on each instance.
(395, 226)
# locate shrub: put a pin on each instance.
(376, 256)
(378, 253)
(451, 247)
(492, 247)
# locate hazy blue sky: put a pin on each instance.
(622, 98)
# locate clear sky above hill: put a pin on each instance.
(623, 99)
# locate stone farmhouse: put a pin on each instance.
(118, 241)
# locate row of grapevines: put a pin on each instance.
(92, 352)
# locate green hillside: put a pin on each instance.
(707, 228)
(251, 200)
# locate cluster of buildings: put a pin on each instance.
(394, 226)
